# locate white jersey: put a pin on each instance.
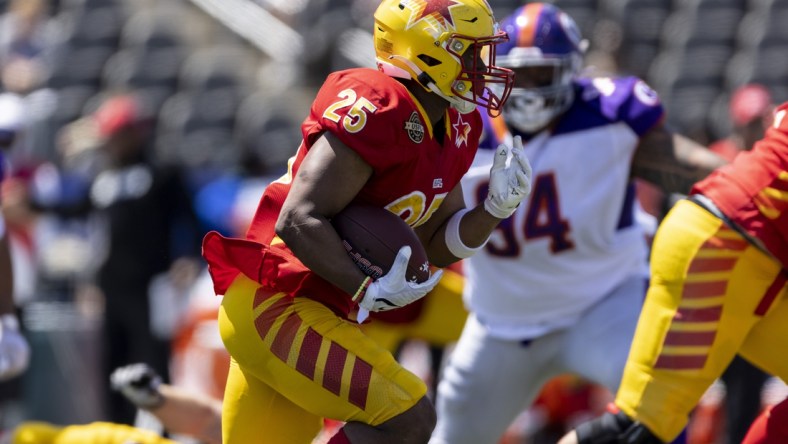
(576, 238)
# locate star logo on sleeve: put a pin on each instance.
(437, 10)
(462, 130)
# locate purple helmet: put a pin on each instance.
(545, 49)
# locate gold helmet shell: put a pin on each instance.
(448, 46)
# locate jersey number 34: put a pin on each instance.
(543, 219)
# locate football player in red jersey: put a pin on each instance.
(719, 286)
(399, 137)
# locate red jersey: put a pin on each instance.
(753, 190)
(414, 170)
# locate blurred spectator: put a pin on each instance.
(10, 119)
(14, 348)
(144, 206)
(750, 110)
(150, 239)
(16, 213)
(27, 36)
(19, 77)
(25, 30)
(22, 76)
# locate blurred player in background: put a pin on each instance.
(399, 138)
(14, 349)
(750, 111)
(559, 286)
(151, 231)
(180, 411)
(719, 271)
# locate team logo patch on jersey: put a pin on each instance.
(415, 128)
(645, 94)
(462, 130)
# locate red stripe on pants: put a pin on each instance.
(359, 383)
(683, 362)
(697, 290)
(283, 341)
(266, 319)
(771, 293)
(307, 356)
(690, 338)
(335, 365)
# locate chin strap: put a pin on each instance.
(424, 79)
(461, 105)
(391, 70)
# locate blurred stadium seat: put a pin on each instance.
(641, 22)
(271, 134)
(583, 11)
(701, 23)
(214, 67)
(78, 66)
(93, 26)
(687, 103)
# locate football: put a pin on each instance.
(372, 237)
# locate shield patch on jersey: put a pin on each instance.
(415, 128)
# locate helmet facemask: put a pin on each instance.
(543, 87)
(480, 82)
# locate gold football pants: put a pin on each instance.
(296, 362)
(712, 295)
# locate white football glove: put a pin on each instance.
(139, 383)
(393, 290)
(509, 185)
(14, 349)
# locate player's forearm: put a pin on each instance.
(186, 414)
(317, 245)
(673, 162)
(475, 228)
(696, 158)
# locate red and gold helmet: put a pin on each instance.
(448, 46)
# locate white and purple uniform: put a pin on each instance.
(575, 238)
(559, 286)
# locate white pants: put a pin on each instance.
(489, 381)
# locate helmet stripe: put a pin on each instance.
(530, 18)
